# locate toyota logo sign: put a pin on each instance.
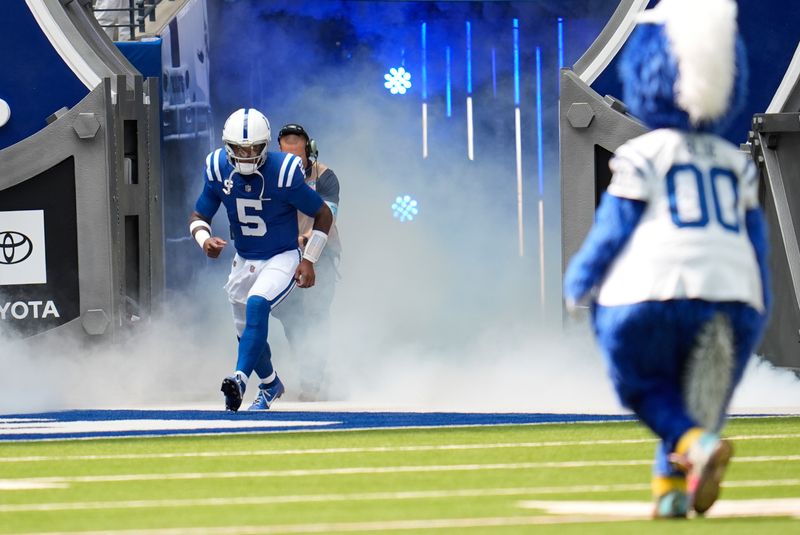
(15, 247)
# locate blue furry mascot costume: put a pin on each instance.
(675, 266)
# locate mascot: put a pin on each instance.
(674, 268)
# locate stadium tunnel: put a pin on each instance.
(87, 246)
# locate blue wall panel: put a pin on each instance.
(144, 55)
(34, 79)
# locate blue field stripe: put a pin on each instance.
(44, 426)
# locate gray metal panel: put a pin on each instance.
(140, 199)
(775, 144)
(155, 193)
(778, 157)
(608, 128)
(50, 146)
(93, 135)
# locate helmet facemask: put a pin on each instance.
(246, 157)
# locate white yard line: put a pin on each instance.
(36, 427)
(323, 451)
(356, 470)
(643, 510)
(366, 470)
(567, 513)
(313, 498)
(379, 449)
(343, 527)
(12, 484)
(364, 496)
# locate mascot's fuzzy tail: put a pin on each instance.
(709, 371)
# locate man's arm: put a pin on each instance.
(200, 227)
(204, 209)
(323, 220)
(309, 202)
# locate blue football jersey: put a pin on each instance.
(262, 207)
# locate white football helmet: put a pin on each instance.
(246, 135)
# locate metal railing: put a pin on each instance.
(122, 23)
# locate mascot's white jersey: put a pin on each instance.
(691, 241)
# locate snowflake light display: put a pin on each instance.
(398, 80)
(404, 208)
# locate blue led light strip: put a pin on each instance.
(423, 32)
(539, 129)
(518, 144)
(449, 96)
(560, 50)
(516, 62)
(494, 73)
(469, 59)
(470, 133)
(560, 43)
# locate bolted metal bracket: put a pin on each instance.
(580, 115)
(95, 321)
(86, 125)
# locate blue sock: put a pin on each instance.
(253, 345)
(263, 367)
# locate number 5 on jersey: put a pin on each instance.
(248, 221)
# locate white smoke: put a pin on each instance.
(440, 313)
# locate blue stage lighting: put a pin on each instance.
(398, 80)
(404, 208)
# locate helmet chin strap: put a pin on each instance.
(263, 184)
(251, 168)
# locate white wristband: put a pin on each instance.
(316, 243)
(201, 236)
(200, 231)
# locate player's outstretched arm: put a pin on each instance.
(200, 227)
(615, 221)
(323, 220)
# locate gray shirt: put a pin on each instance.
(322, 179)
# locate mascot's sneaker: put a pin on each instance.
(705, 460)
(674, 504)
(267, 394)
(233, 389)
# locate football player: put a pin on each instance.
(262, 193)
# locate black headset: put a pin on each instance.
(311, 144)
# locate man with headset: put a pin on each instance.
(304, 311)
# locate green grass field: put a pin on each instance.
(392, 481)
